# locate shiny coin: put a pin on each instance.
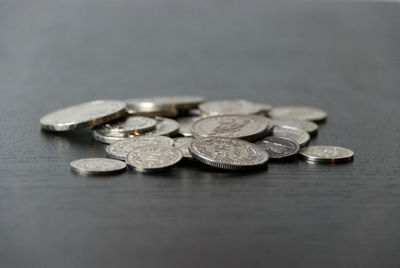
(327, 154)
(129, 125)
(228, 153)
(278, 148)
(292, 133)
(83, 115)
(177, 102)
(186, 123)
(298, 112)
(164, 127)
(120, 149)
(246, 127)
(229, 107)
(182, 144)
(103, 137)
(97, 166)
(152, 110)
(307, 126)
(153, 157)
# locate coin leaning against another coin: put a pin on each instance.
(97, 166)
(278, 148)
(292, 133)
(182, 143)
(326, 154)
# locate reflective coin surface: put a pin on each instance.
(182, 143)
(292, 133)
(164, 127)
(308, 126)
(129, 125)
(246, 127)
(326, 154)
(228, 153)
(178, 102)
(120, 149)
(153, 110)
(186, 123)
(83, 115)
(97, 166)
(106, 137)
(153, 157)
(229, 107)
(278, 148)
(298, 112)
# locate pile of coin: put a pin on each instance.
(154, 133)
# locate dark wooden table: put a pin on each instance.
(342, 57)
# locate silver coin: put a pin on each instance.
(164, 127)
(264, 108)
(83, 115)
(128, 125)
(97, 166)
(152, 110)
(182, 143)
(153, 157)
(228, 153)
(278, 148)
(229, 107)
(327, 154)
(298, 112)
(120, 149)
(308, 126)
(292, 133)
(178, 102)
(100, 136)
(246, 127)
(185, 124)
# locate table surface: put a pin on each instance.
(342, 57)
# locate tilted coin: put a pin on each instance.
(178, 102)
(186, 123)
(229, 107)
(128, 125)
(120, 149)
(97, 166)
(292, 133)
(164, 127)
(152, 110)
(278, 148)
(182, 143)
(308, 126)
(246, 127)
(228, 153)
(298, 112)
(83, 115)
(326, 154)
(153, 157)
(105, 137)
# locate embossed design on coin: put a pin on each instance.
(97, 166)
(120, 149)
(298, 112)
(291, 133)
(229, 107)
(153, 157)
(327, 154)
(182, 144)
(164, 127)
(186, 124)
(279, 148)
(129, 125)
(83, 115)
(308, 126)
(228, 153)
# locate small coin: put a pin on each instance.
(308, 126)
(246, 127)
(182, 143)
(229, 107)
(120, 149)
(186, 124)
(292, 133)
(177, 102)
(298, 112)
(83, 115)
(97, 166)
(278, 148)
(228, 153)
(164, 127)
(129, 125)
(100, 136)
(326, 154)
(153, 157)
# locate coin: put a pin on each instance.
(153, 157)
(229, 107)
(129, 125)
(278, 148)
(298, 112)
(264, 108)
(186, 123)
(326, 154)
(292, 133)
(308, 126)
(83, 115)
(153, 110)
(100, 136)
(182, 143)
(246, 127)
(228, 153)
(178, 102)
(97, 166)
(164, 127)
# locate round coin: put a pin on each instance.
(278, 148)
(182, 143)
(120, 149)
(308, 126)
(177, 102)
(164, 127)
(100, 136)
(186, 123)
(228, 153)
(153, 110)
(129, 125)
(292, 133)
(326, 154)
(97, 166)
(153, 157)
(229, 107)
(83, 115)
(298, 112)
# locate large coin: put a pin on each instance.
(278, 148)
(307, 126)
(182, 143)
(292, 133)
(97, 166)
(327, 154)
(164, 127)
(83, 115)
(228, 153)
(120, 149)
(246, 127)
(153, 157)
(129, 125)
(298, 112)
(178, 102)
(185, 124)
(229, 107)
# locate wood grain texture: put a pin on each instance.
(342, 57)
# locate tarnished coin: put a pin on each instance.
(297, 135)
(185, 124)
(298, 112)
(246, 127)
(97, 166)
(83, 115)
(153, 157)
(130, 125)
(178, 102)
(164, 127)
(182, 143)
(308, 126)
(278, 148)
(228, 153)
(120, 149)
(229, 107)
(327, 154)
